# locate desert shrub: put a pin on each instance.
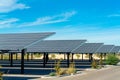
(1, 74)
(6, 56)
(98, 55)
(71, 68)
(57, 68)
(78, 56)
(52, 74)
(25, 55)
(38, 55)
(63, 71)
(112, 59)
(53, 56)
(87, 56)
(61, 59)
(94, 64)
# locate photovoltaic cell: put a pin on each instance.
(105, 49)
(88, 48)
(17, 41)
(116, 49)
(55, 46)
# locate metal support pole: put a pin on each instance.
(22, 60)
(89, 57)
(72, 57)
(9, 56)
(11, 59)
(82, 56)
(47, 58)
(44, 59)
(68, 61)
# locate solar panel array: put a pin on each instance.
(20, 40)
(55, 46)
(116, 49)
(105, 49)
(34, 43)
(88, 48)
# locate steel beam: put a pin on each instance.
(22, 60)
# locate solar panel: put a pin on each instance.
(55, 46)
(88, 48)
(116, 49)
(17, 41)
(105, 49)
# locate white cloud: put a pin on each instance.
(68, 14)
(50, 19)
(3, 22)
(114, 15)
(8, 22)
(10, 5)
(91, 33)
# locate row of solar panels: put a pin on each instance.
(21, 40)
(72, 46)
(34, 43)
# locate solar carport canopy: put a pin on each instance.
(116, 49)
(88, 48)
(105, 49)
(18, 41)
(55, 46)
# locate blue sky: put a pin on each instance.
(94, 20)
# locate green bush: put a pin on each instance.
(112, 59)
(52, 74)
